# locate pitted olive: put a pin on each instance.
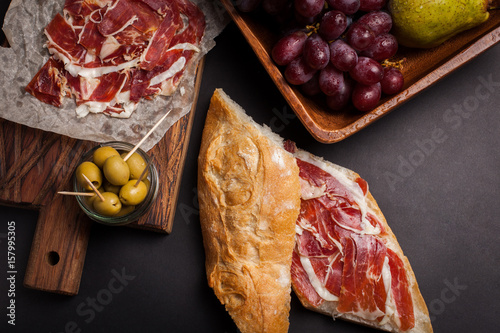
(132, 194)
(110, 206)
(92, 172)
(116, 170)
(101, 154)
(108, 187)
(125, 210)
(136, 165)
(90, 200)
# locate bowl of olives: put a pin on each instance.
(128, 184)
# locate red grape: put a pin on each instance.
(311, 87)
(360, 36)
(366, 97)
(379, 21)
(298, 72)
(393, 81)
(332, 25)
(348, 7)
(342, 55)
(303, 20)
(309, 8)
(289, 47)
(367, 71)
(342, 98)
(370, 5)
(331, 80)
(383, 47)
(316, 52)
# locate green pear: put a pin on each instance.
(428, 23)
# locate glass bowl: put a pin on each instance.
(141, 209)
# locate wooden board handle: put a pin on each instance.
(59, 247)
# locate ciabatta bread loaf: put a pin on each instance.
(249, 197)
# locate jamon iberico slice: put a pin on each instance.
(346, 259)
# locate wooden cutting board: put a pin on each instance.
(34, 165)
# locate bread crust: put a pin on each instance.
(422, 319)
(249, 197)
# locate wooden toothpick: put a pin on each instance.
(144, 171)
(84, 194)
(93, 187)
(146, 136)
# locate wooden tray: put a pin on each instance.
(421, 69)
(34, 165)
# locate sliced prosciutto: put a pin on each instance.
(363, 291)
(109, 54)
(343, 260)
(124, 13)
(49, 84)
(63, 41)
(400, 292)
(156, 52)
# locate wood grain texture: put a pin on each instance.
(34, 165)
(421, 68)
(59, 246)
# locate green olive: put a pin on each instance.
(90, 200)
(125, 210)
(108, 187)
(136, 165)
(101, 154)
(92, 172)
(110, 206)
(116, 170)
(131, 194)
(147, 182)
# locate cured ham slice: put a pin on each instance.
(156, 52)
(49, 84)
(90, 38)
(63, 41)
(124, 13)
(109, 54)
(346, 261)
(399, 292)
(363, 292)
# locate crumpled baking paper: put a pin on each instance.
(23, 27)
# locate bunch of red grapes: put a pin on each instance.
(335, 48)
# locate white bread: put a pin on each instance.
(249, 197)
(422, 320)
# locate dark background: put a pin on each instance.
(444, 211)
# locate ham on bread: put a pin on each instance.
(274, 216)
(347, 262)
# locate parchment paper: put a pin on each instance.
(23, 27)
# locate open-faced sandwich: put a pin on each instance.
(274, 218)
